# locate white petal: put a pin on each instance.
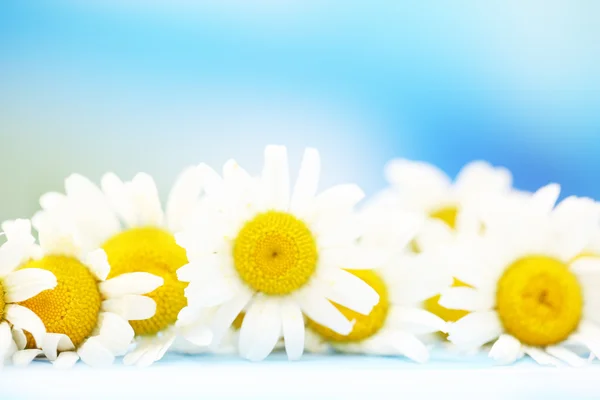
(23, 284)
(416, 320)
(141, 348)
(51, 200)
(481, 178)
(119, 198)
(12, 254)
(350, 291)
(339, 198)
(210, 294)
(19, 337)
(475, 329)
(433, 235)
(540, 356)
(415, 176)
(566, 355)
(66, 360)
(321, 311)
(25, 319)
(212, 181)
(589, 335)
(422, 279)
(307, 182)
(18, 230)
(261, 329)
(226, 314)
(465, 298)
(130, 283)
(146, 200)
(410, 346)
(5, 340)
(131, 307)
(354, 257)
(90, 209)
(145, 355)
(336, 232)
(198, 334)
(23, 358)
(95, 354)
(586, 265)
(276, 177)
(207, 268)
(115, 333)
(293, 329)
(55, 342)
(506, 350)
(544, 199)
(97, 262)
(183, 198)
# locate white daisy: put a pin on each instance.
(85, 314)
(127, 221)
(423, 188)
(403, 281)
(275, 254)
(17, 286)
(530, 292)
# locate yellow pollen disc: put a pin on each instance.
(432, 305)
(365, 326)
(539, 301)
(447, 215)
(72, 307)
(151, 250)
(275, 253)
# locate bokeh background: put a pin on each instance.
(127, 86)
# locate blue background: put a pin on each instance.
(91, 86)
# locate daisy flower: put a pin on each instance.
(530, 292)
(423, 188)
(127, 221)
(85, 314)
(403, 281)
(17, 286)
(275, 255)
(452, 207)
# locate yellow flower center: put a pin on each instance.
(151, 250)
(365, 326)
(72, 307)
(447, 215)
(275, 253)
(539, 301)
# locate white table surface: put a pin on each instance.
(313, 377)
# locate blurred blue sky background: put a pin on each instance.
(92, 86)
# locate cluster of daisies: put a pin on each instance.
(246, 264)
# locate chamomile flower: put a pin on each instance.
(530, 293)
(452, 207)
(17, 286)
(403, 281)
(127, 221)
(275, 255)
(85, 314)
(423, 188)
